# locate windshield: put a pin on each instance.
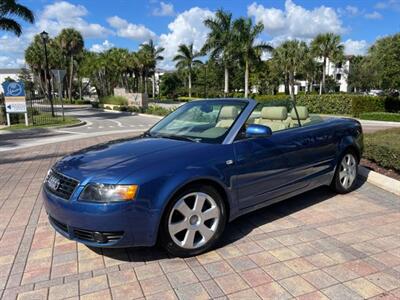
(200, 121)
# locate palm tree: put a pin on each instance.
(186, 59)
(154, 55)
(245, 35)
(219, 41)
(8, 8)
(290, 56)
(71, 42)
(327, 46)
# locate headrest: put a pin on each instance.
(228, 112)
(274, 113)
(302, 111)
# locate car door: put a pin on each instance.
(262, 166)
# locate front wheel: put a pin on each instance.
(346, 173)
(193, 221)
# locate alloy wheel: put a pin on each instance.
(348, 171)
(194, 220)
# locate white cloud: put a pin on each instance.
(165, 9)
(125, 29)
(187, 28)
(102, 47)
(354, 47)
(352, 10)
(11, 62)
(296, 21)
(389, 4)
(63, 14)
(373, 16)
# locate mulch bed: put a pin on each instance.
(374, 167)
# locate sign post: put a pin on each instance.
(59, 77)
(15, 102)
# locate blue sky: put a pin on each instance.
(128, 23)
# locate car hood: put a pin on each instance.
(112, 161)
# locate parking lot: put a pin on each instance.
(315, 246)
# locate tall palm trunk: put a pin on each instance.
(246, 80)
(291, 82)
(190, 83)
(145, 83)
(322, 85)
(71, 76)
(226, 87)
(154, 86)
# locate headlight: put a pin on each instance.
(95, 192)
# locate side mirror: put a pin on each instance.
(256, 130)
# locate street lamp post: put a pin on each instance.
(45, 37)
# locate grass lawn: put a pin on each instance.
(383, 148)
(43, 123)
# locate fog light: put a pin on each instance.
(99, 237)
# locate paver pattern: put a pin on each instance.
(315, 246)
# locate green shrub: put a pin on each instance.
(95, 104)
(186, 99)
(383, 148)
(361, 104)
(380, 116)
(339, 104)
(115, 100)
(157, 110)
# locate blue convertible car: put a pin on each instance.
(200, 167)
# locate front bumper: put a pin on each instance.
(103, 225)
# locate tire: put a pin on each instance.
(346, 173)
(193, 221)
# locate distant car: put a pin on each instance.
(200, 167)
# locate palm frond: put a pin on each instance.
(10, 25)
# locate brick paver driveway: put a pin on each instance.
(315, 246)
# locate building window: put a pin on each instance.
(339, 65)
(338, 76)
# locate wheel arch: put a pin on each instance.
(219, 187)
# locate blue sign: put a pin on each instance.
(13, 88)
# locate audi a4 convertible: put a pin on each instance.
(205, 164)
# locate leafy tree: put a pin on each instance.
(169, 84)
(327, 46)
(291, 56)
(220, 41)
(245, 35)
(185, 60)
(10, 9)
(153, 55)
(71, 42)
(383, 61)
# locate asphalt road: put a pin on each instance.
(97, 123)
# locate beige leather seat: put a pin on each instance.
(274, 117)
(303, 116)
(227, 116)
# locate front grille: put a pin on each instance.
(87, 235)
(58, 224)
(60, 185)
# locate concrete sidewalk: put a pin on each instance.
(315, 246)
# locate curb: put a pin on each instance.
(81, 123)
(130, 113)
(384, 182)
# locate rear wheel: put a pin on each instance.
(193, 221)
(346, 173)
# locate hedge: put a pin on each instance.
(380, 116)
(383, 148)
(115, 100)
(340, 104)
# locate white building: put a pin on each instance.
(339, 72)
